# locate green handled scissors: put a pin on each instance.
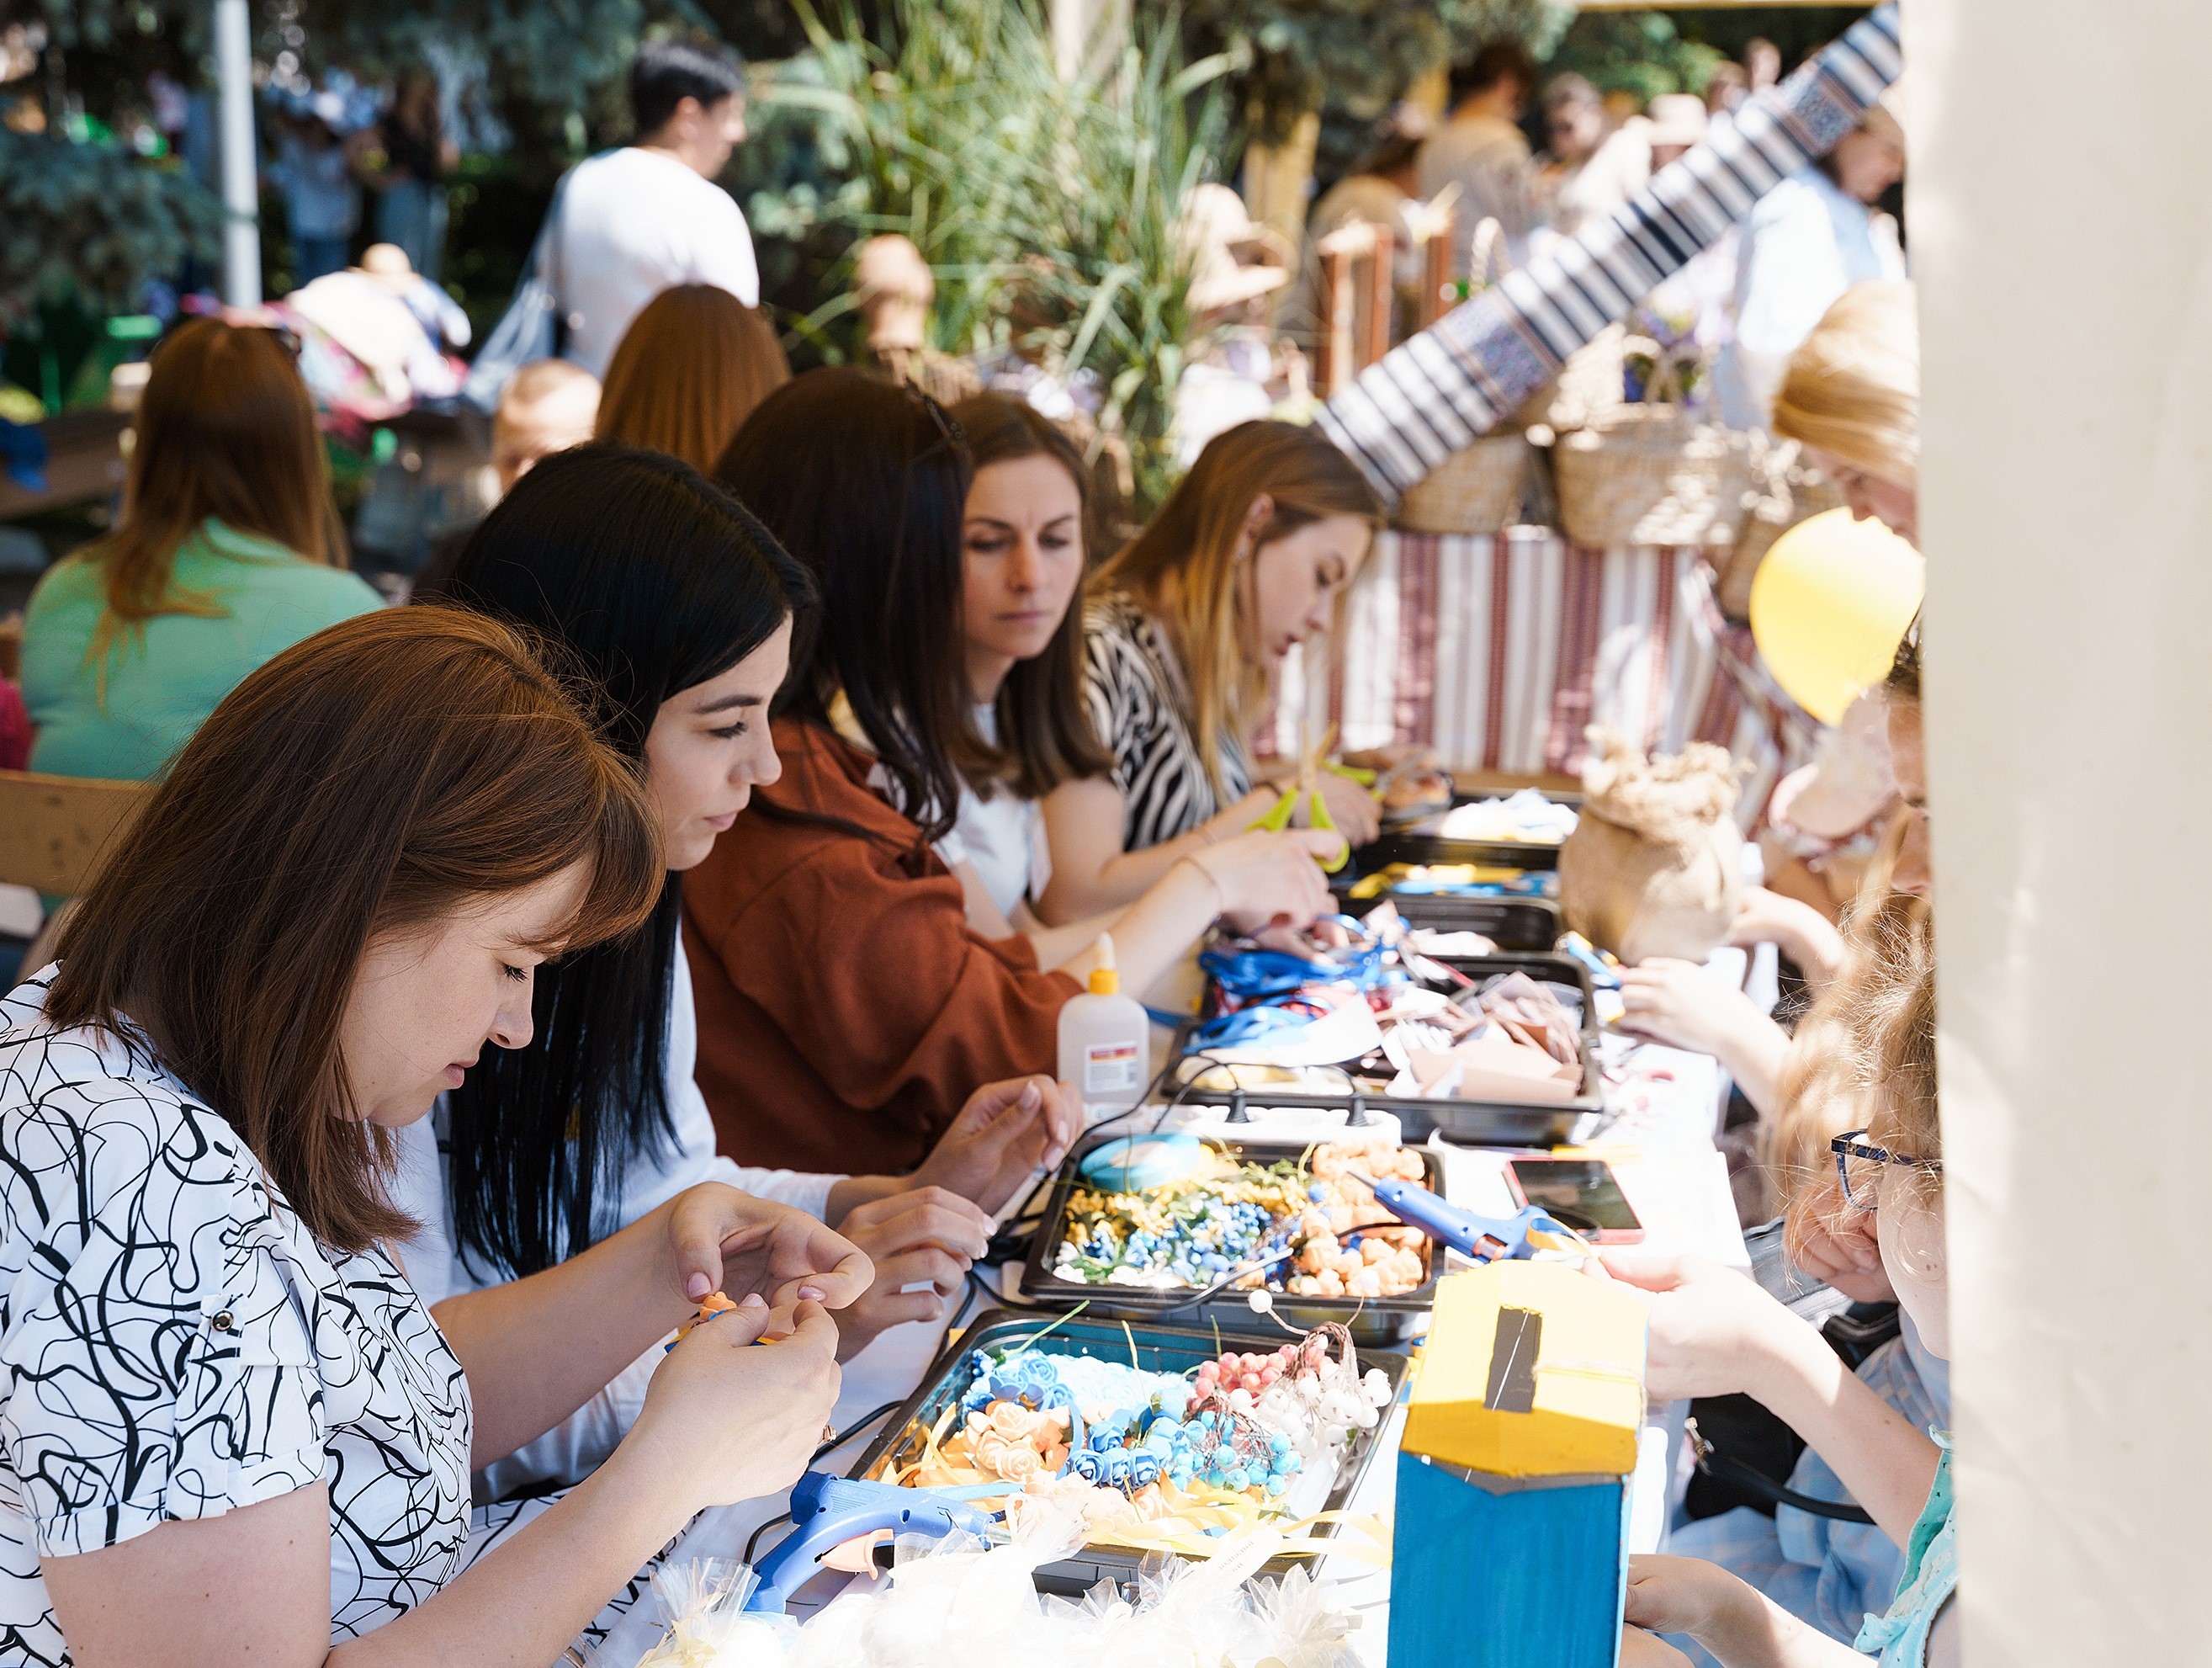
(1308, 790)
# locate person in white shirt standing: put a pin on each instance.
(636, 220)
(1482, 149)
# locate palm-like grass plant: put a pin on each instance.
(1047, 211)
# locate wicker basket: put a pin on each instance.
(1787, 491)
(1652, 474)
(1478, 491)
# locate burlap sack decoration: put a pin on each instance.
(1654, 867)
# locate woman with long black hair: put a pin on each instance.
(673, 607)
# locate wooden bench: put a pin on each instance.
(53, 828)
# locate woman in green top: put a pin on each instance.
(228, 553)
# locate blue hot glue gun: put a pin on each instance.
(1484, 1239)
(828, 1510)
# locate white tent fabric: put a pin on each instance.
(2061, 210)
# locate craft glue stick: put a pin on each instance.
(1105, 1044)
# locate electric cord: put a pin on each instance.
(1724, 1468)
(852, 1431)
(753, 1539)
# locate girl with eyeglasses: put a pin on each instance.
(1715, 1333)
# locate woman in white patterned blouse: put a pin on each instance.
(231, 1431)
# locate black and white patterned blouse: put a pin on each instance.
(175, 1344)
(1139, 705)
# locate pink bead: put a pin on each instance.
(1252, 1383)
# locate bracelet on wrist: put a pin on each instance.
(1220, 895)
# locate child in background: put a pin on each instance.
(549, 405)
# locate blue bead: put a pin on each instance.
(1316, 1193)
(1275, 1485)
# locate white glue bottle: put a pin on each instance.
(1105, 1042)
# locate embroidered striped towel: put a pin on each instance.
(1441, 390)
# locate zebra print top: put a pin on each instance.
(1139, 706)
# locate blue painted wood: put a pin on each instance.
(1529, 1579)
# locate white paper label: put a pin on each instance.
(1109, 1067)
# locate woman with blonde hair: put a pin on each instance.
(228, 552)
(1183, 630)
(1851, 396)
(688, 372)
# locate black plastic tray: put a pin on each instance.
(1373, 1321)
(1400, 844)
(1520, 924)
(1471, 1122)
(1158, 1349)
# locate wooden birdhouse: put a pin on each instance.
(1511, 1548)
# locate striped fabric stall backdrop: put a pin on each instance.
(1500, 651)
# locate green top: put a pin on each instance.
(163, 681)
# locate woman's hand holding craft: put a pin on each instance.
(721, 1239)
(1005, 1133)
(1268, 880)
(1713, 1331)
(724, 1422)
(926, 1239)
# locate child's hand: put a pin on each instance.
(1680, 1596)
(1678, 1004)
(1838, 1247)
(1641, 1650)
(1713, 1331)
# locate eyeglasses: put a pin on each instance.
(1859, 1167)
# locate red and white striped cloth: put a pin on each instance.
(1499, 651)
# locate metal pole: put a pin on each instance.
(241, 189)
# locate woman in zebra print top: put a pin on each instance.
(1184, 628)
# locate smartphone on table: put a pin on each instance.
(1582, 1193)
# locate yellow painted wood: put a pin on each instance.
(1588, 1399)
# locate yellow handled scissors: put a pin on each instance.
(1308, 790)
